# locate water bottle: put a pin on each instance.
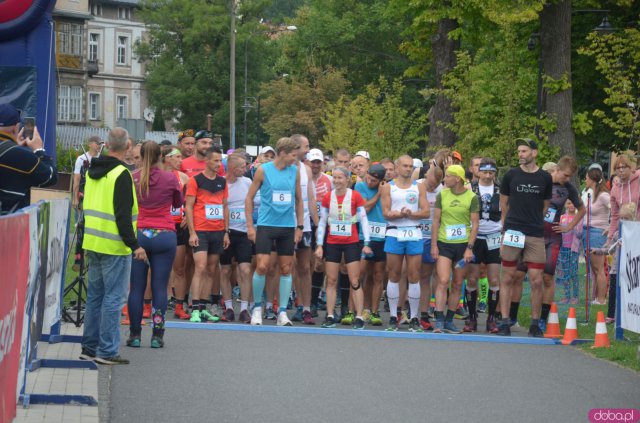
(461, 263)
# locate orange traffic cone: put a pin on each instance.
(553, 324)
(602, 337)
(571, 329)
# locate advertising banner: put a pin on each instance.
(629, 277)
(56, 239)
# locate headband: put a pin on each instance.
(487, 167)
(173, 152)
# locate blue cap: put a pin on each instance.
(9, 115)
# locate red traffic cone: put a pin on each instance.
(571, 329)
(553, 324)
(602, 337)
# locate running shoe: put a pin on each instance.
(393, 324)
(171, 304)
(504, 329)
(535, 331)
(542, 324)
(256, 316)
(513, 323)
(283, 319)
(208, 317)
(314, 311)
(245, 317)
(214, 311)
(228, 315)
(307, 318)
(329, 322)
(450, 327)
(366, 315)
(179, 312)
(426, 324)
(116, 359)
(414, 325)
(358, 324)
(297, 317)
(470, 325)
(146, 311)
(439, 326)
(482, 307)
(157, 342)
(375, 319)
(270, 315)
(491, 325)
(404, 318)
(133, 342)
(195, 316)
(87, 355)
(348, 319)
(461, 313)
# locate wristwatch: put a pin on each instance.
(301, 227)
(38, 149)
(470, 246)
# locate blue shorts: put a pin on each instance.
(410, 248)
(426, 252)
(596, 239)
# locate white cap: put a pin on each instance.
(315, 154)
(363, 154)
(267, 149)
(417, 163)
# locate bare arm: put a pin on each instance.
(504, 208)
(188, 210)
(423, 204)
(258, 178)
(385, 202)
(313, 211)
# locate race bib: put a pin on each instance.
(456, 232)
(551, 215)
(176, 211)
(213, 211)
(493, 241)
(340, 228)
(513, 239)
(237, 215)
(377, 229)
(281, 198)
(409, 233)
(425, 227)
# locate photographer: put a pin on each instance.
(81, 166)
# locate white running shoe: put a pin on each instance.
(256, 316)
(283, 320)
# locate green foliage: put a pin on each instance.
(556, 86)
(374, 121)
(65, 158)
(617, 58)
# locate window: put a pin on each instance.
(94, 47)
(121, 102)
(124, 13)
(96, 9)
(94, 106)
(122, 52)
(69, 38)
(70, 103)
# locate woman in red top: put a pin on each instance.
(172, 159)
(157, 190)
(339, 223)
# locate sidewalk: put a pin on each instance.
(60, 381)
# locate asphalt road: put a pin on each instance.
(229, 376)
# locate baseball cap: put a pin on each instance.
(456, 170)
(417, 163)
(364, 154)
(377, 171)
(315, 154)
(203, 134)
(9, 115)
(528, 142)
(268, 149)
(456, 156)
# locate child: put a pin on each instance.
(567, 270)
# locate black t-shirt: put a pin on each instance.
(559, 196)
(527, 193)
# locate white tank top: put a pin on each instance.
(237, 194)
(407, 198)
(304, 186)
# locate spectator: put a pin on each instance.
(23, 162)
(567, 269)
(80, 169)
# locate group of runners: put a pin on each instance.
(298, 219)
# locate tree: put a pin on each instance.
(374, 121)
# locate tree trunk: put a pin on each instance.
(555, 41)
(444, 58)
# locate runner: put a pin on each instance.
(280, 194)
(239, 247)
(186, 142)
(486, 249)
(525, 194)
(343, 242)
(372, 267)
(455, 220)
(404, 204)
(208, 221)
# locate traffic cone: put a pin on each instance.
(571, 329)
(602, 337)
(553, 324)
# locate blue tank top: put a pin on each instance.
(377, 222)
(278, 196)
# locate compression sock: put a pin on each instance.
(393, 295)
(285, 291)
(424, 316)
(449, 316)
(345, 285)
(413, 293)
(258, 287)
(483, 286)
(544, 315)
(513, 311)
(215, 299)
(494, 299)
(317, 278)
(472, 301)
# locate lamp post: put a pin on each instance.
(232, 78)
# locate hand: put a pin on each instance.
(193, 240)
(226, 241)
(74, 202)
(298, 236)
(560, 229)
(367, 250)
(318, 252)
(35, 142)
(251, 234)
(468, 255)
(434, 250)
(140, 254)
